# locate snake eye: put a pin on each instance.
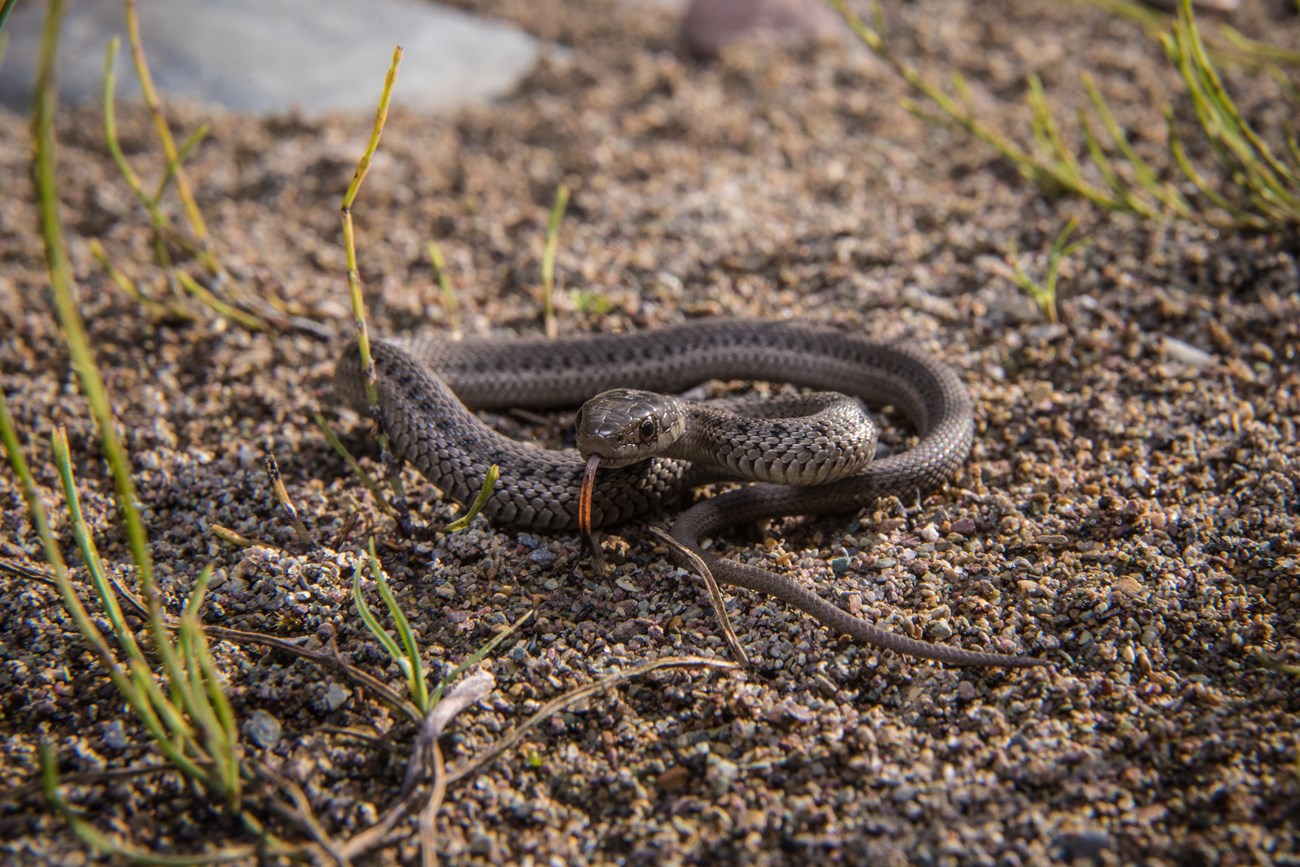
(648, 430)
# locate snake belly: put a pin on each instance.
(428, 388)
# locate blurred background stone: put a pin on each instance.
(710, 24)
(267, 56)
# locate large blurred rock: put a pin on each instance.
(275, 55)
(710, 24)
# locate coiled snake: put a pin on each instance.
(427, 385)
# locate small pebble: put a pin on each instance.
(674, 779)
(335, 696)
(263, 729)
(543, 557)
(963, 526)
(1178, 350)
(480, 844)
(115, 736)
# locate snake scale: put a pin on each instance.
(427, 387)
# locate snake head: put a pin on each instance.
(624, 426)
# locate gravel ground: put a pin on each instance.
(1129, 509)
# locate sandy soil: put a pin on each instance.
(1129, 509)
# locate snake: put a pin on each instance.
(429, 388)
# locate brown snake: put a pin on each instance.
(426, 387)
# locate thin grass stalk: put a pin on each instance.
(53, 556)
(367, 480)
(150, 94)
(207, 706)
(174, 165)
(89, 551)
(1253, 48)
(372, 623)
(228, 535)
(111, 141)
(1269, 183)
(197, 708)
(221, 308)
(548, 260)
(1120, 192)
(129, 288)
(83, 362)
(410, 648)
(1047, 133)
(1202, 184)
(170, 732)
(230, 757)
(1272, 184)
(349, 237)
(428, 817)
(1245, 142)
(166, 724)
(354, 286)
(1143, 172)
(1235, 49)
(480, 501)
(157, 219)
(1045, 174)
(449, 302)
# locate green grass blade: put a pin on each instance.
(173, 165)
(355, 296)
(449, 302)
(411, 649)
(194, 698)
(74, 329)
(205, 699)
(548, 258)
(110, 123)
(1047, 133)
(1203, 186)
(157, 219)
(221, 308)
(1246, 142)
(192, 212)
(1259, 52)
(368, 617)
(1143, 172)
(139, 700)
(481, 500)
(89, 551)
(215, 685)
(172, 735)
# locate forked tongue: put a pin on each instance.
(585, 494)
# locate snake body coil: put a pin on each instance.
(426, 387)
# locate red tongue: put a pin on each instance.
(585, 494)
